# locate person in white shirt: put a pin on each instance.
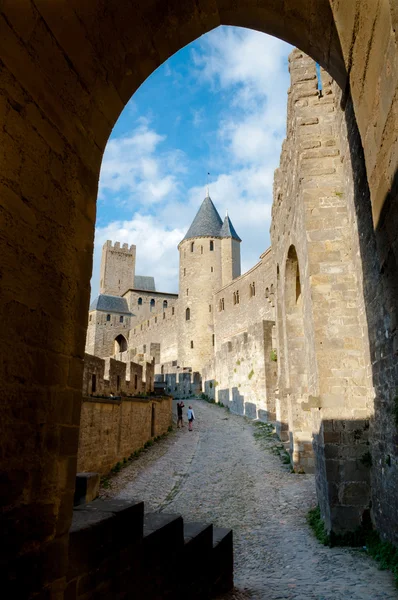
(191, 418)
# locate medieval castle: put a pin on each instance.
(290, 340)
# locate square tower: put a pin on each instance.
(117, 268)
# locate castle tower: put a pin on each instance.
(230, 252)
(202, 255)
(117, 268)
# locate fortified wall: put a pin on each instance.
(335, 336)
(242, 374)
(119, 412)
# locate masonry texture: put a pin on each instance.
(66, 73)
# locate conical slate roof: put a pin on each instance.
(207, 222)
(228, 230)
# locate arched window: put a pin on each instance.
(121, 319)
(120, 343)
(152, 304)
(192, 246)
(187, 314)
(164, 303)
(139, 301)
(211, 246)
(108, 317)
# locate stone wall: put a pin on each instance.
(111, 429)
(157, 332)
(324, 386)
(147, 304)
(102, 334)
(232, 317)
(102, 377)
(243, 373)
(180, 382)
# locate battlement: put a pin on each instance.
(116, 247)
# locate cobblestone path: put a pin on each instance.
(220, 473)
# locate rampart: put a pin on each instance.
(111, 429)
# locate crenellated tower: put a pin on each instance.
(209, 258)
(117, 268)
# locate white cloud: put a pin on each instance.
(137, 167)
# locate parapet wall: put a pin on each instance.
(102, 377)
(112, 429)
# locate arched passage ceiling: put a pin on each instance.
(85, 59)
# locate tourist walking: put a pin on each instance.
(191, 417)
(180, 406)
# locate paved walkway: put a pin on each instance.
(222, 474)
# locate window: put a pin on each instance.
(201, 249)
(93, 383)
(212, 339)
(211, 269)
(144, 349)
(187, 291)
(252, 291)
(221, 304)
(185, 271)
(164, 304)
(191, 343)
(211, 246)
(234, 297)
(156, 319)
(108, 317)
(192, 246)
(135, 331)
(118, 382)
(141, 327)
(187, 314)
(209, 307)
(121, 319)
(90, 318)
(237, 296)
(135, 381)
(266, 292)
(172, 310)
(139, 301)
(152, 304)
(164, 315)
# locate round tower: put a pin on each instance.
(201, 275)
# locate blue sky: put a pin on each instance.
(218, 106)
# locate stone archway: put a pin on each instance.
(67, 71)
(296, 366)
(120, 343)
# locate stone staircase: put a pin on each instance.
(116, 551)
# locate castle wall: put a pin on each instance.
(117, 268)
(101, 333)
(237, 317)
(147, 309)
(112, 429)
(157, 333)
(117, 377)
(243, 373)
(323, 375)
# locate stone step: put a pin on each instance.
(222, 561)
(197, 561)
